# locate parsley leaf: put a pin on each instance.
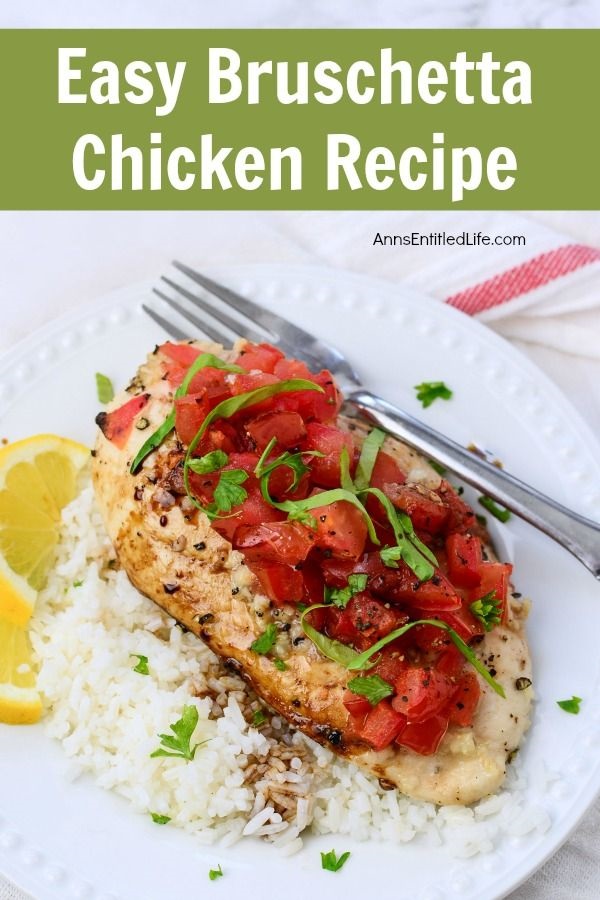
(77, 583)
(142, 664)
(104, 388)
(570, 706)
(229, 491)
(372, 687)
(331, 862)
(265, 641)
(340, 596)
(212, 461)
(258, 718)
(213, 874)
(487, 610)
(428, 391)
(160, 820)
(499, 512)
(279, 664)
(180, 745)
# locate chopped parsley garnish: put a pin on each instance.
(104, 388)
(499, 512)
(279, 664)
(570, 706)
(258, 718)
(213, 874)
(142, 664)
(160, 820)
(178, 744)
(229, 491)
(211, 462)
(265, 642)
(340, 596)
(331, 862)
(487, 610)
(372, 687)
(77, 583)
(428, 391)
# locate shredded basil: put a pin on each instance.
(368, 456)
(498, 512)
(332, 649)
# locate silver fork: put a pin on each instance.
(236, 316)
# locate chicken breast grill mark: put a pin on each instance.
(171, 554)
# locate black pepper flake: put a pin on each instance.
(322, 518)
(335, 737)
(200, 546)
(163, 520)
(93, 454)
(493, 672)
(523, 683)
(297, 640)
(516, 595)
(235, 591)
(285, 626)
(170, 588)
(142, 424)
(296, 703)
(138, 494)
(207, 617)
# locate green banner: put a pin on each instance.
(299, 119)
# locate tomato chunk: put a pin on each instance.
(183, 354)
(363, 621)
(286, 427)
(424, 737)
(263, 357)
(494, 577)
(356, 705)
(422, 693)
(341, 528)
(382, 725)
(401, 585)
(190, 413)
(386, 471)
(425, 508)
(284, 542)
(464, 559)
(460, 516)
(116, 425)
(464, 701)
(330, 441)
(281, 584)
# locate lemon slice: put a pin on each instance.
(20, 703)
(38, 477)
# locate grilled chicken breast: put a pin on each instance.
(172, 555)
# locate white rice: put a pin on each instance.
(244, 781)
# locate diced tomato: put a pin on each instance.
(292, 368)
(174, 374)
(116, 425)
(462, 621)
(263, 357)
(285, 542)
(451, 662)
(424, 507)
(336, 571)
(286, 427)
(401, 585)
(241, 384)
(281, 584)
(386, 471)
(464, 701)
(190, 413)
(424, 737)
(245, 461)
(356, 705)
(216, 439)
(280, 482)
(460, 516)
(330, 441)
(364, 620)
(214, 382)
(382, 725)
(253, 511)
(322, 407)
(464, 559)
(494, 577)
(422, 693)
(183, 354)
(390, 665)
(341, 528)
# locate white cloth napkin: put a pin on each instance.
(546, 300)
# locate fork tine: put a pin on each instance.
(168, 326)
(220, 337)
(291, 339)
(235, 326)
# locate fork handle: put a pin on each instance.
(579, 535)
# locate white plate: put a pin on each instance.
(73, 840)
